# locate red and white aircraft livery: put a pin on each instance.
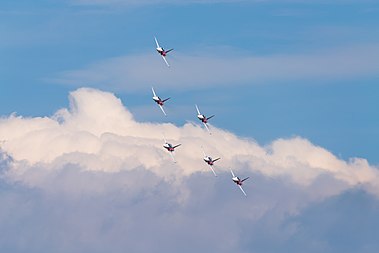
(238, 181)
(203, 118)
(162, 52)
(159, 101)
(170, 148)
(210, 161)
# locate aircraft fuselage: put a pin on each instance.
(237, 180)
(202, 118)
(161, 51)
(158, 100)
(169, 147)
(208, 160)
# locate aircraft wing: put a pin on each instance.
(156, 42)
(203, 151)
(242, 190)
(172, 156)
(177, 146)
(214, 173)
(216, 159)
(232, 173)
(162, 110)
(210, 117)
(197, 109)
(164, 58)
(206, 126)
(152, 89)
(244, 179)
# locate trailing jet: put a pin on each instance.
(170, 148)
(203, 118)
(162, 52)
(159, 101)
(210, 161)
(238, 181)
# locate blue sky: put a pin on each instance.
(267, 69)
(43, 39)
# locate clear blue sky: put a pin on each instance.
(319, 79)
(44, 38)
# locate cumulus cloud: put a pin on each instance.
(91, 178)
(228, 68)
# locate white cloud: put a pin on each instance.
(91, 177)
(230, 68)
(98, 133)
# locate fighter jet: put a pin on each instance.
(210, 161)
(170, 148)
(203, 118)
(238, 181)
(162, 52)
(159, 101)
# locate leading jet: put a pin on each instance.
(162, 52)
(239, 181)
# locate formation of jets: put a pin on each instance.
(239, 181)
(170, 148)
(210, 161)
(204, 119)
(162, 52)
(159, 101)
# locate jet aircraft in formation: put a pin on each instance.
(159, 101)
(239, 181)
(203, 118)
(171, 148)
(162, 52)
(210, 161)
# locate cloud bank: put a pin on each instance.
(230, 68)
(91, 178)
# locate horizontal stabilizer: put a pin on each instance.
(176, 146)
(210, 117)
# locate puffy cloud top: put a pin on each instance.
(97, 179)
(97, 133)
